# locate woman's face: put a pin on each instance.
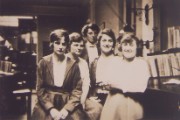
(60, 46)
(77, 48)
(106, 44)
(129, 49)
(92, 36)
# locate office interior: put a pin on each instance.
(27, 24)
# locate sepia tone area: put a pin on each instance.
(89, 59)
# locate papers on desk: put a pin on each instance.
(22, 91)
(172, 81)
(6, 73)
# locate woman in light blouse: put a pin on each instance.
(102, 66)
(124, 100)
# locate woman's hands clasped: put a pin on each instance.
(58, 115)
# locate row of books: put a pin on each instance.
(173, 37)
(164, 64)
(5, 66)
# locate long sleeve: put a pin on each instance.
(41, 93)
(76, 92)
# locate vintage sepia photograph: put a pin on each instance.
(89, 60)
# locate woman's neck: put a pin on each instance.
(106, 55)
(73, 56)
(128, 59)
(59, 58)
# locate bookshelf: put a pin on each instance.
(164, 84)
(165, 66)
(165, 61)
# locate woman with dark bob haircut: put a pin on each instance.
(108, 32)
(59, 85)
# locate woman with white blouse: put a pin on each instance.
(128, 84)
(102, 66)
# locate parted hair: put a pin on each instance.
(108, 32)
(57, 34)
(75, 37)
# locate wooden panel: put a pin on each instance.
(41, 10)
(42, 7)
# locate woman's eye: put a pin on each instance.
(76, 45)
(82, 46)
(90, 33)
(56, 42)
(103, 40)
(110, 40)
(131, 44)
(64, 44)
(125, 44)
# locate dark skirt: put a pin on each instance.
(40, 114)
(58, 100)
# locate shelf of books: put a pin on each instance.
(165, 66)
(173, 37)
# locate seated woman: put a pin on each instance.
(102, 67)
(126, 89)
(59, 85)
(76, 48)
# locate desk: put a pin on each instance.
(8, 83)
(162, 102)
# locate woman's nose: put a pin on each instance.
(80, 48)
(107, 43)
(94, 34)
(127, 48)
(60, 45)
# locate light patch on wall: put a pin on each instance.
(12, 21)
(148, 29)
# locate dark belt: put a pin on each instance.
(58, 95)
(137, 96)
(55, 88)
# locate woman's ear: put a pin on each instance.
(139, 48)
(51, 45)
(120, 47)
(67, 50)
(140, 44)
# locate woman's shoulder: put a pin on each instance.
(141, 61)
(118, 58)
(82, 60)
(46, 58)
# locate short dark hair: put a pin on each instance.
(57, 34)
(75, 37)
(108, 32)
(92, 26)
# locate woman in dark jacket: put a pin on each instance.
(59, 86)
